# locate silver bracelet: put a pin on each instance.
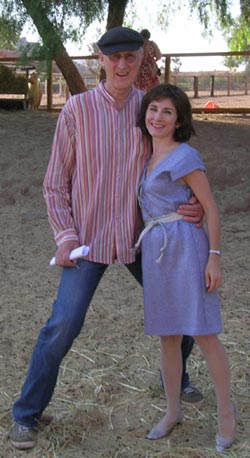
(218, 252)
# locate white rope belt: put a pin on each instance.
(159, 220)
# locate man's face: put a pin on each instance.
(121, 69)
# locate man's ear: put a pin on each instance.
(101, 58)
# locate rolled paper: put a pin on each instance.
(76, 253)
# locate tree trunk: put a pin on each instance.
(52, 42)
(70, 72)
(116, 13)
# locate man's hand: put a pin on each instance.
(192, 212)
(63, 252)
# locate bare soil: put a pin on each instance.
(108, 393)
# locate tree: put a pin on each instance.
(59, 20)
(239, 40)
(53, 20)
(209, 9)
(236, 31)
(53, 45)
(238, 37)
(9, 33)
(116, 13)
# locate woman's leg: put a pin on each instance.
(218, 366)
(187, 341)
(171, 368)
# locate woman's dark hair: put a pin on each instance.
(182, 105)
(145, 33)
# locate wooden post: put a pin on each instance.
(67, 92)
(228, 85)
(245, 83)
(212, 85)
(196, 87)
(49, 86)
(167, 69)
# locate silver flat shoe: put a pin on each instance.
(223, 443)
(156, 433)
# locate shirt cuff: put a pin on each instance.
(65, 236)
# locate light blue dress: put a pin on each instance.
(175, 298)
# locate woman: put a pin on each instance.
(181, 263)
(147, 76)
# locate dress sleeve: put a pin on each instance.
(186, 160)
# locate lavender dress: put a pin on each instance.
(175, 298)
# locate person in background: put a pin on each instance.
(90, 189)
(181, 263)
(148, 75)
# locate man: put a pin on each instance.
(90, 189)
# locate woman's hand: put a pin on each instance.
(213, 274)
(192, 212)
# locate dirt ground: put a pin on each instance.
(108, 393)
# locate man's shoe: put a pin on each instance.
(22, 437)
(45, 419)
(191, 394)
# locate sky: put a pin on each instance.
(183, 35)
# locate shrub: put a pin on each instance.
(11, 83)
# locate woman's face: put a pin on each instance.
(161, 118)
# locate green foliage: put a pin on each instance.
(211, 9)
(11, 83)
(12, 20)
(34, 52)
(13, 9)
(245, 9)
(9, 32)
(237, 31)
(69, 18)
(58, 21)
(238, 38)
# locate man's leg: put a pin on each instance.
(75, 292)
(186, 348)
(189, 393)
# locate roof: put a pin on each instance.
(7, 54)
(11, 58)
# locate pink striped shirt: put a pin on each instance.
(90, 187)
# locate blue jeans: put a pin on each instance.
(76, 289)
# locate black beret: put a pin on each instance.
(120, 39)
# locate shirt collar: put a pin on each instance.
(102, 90)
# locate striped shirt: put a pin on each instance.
(90, 187)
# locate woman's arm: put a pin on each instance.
(199, 184)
